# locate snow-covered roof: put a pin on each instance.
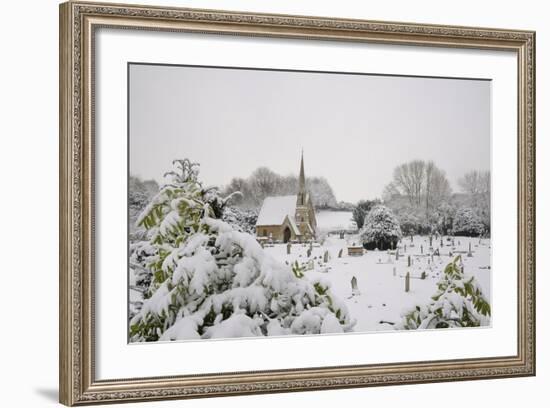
(275, 209)
(292, 222)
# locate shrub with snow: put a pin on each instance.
(210, 280)
(362, 209)
(381, 229)
(467, 223)
(140, 254)
(410, 223)
(444, 218)
(139, 194)
(241, 219)
(459, 302)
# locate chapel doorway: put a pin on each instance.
(286, 235)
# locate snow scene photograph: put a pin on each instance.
(272, 203)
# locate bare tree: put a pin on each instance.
(430, 169)
(417, 191)
(390, 192)
(409, 178)
(470, 183)
(437, 188)
(241, 185)
(477, 186)
(264, 182)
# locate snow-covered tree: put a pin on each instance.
(381, 229)
(409, 179)
(467, 223)
(409, 222)
(437, 188)
(419, 188)
(321, 192)
(361, 210)
(477, 187)
(444, 218)
(264, 182)
(246, 198)
(211, 281)
(140, 276)
(139, 194)
(241, 219)
(459, 302)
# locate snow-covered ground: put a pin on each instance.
(330, 220)
(381, 295)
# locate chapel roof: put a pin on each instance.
(275, 209)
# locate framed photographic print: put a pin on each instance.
(262, 203)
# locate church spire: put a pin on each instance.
(302, 182)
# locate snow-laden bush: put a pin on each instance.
(467, 223)
(459, 302)
(444, 217)
(381, 229)
(410, 223)
(241, 219)
(362, 209)
(139, 194)
(210, 280)
(140, 254)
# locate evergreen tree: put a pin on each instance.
(381, 229)
(459, 302)
(241, 219)
(467, 223)
(210, 280)
(139, 194)
(361, 210)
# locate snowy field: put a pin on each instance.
(380, 296)
(328, 220)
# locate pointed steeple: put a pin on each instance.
(302, 182)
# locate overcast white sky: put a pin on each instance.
(354, 129)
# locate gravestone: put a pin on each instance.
(354, 288)
(288, 246)
(407, 282)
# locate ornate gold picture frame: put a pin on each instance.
(79, 22)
